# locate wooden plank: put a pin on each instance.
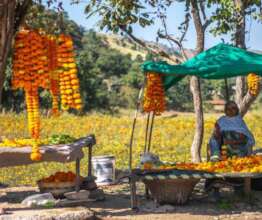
(90, 161)
(77, 174)
(241, 175)
(14, 156)
(247, 186)
(134, 204)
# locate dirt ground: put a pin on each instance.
(117, 206)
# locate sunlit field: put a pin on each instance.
(171, 140)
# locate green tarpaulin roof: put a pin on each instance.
(219, 62)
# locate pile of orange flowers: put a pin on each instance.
(250, 164)
(69, 83)
(59, 177)
(48, 62)
(154, 95)
(253, 83)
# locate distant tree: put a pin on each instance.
(231, 17)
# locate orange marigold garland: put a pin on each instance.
(30, 71)
(69, 83)
(154, 95)
(54, 74)
(253, 83)
(47, 62)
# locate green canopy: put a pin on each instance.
(219, 62)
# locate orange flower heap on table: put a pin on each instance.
(154, 95)
(250, 164)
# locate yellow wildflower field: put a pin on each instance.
(171, 139)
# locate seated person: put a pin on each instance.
(230, 130)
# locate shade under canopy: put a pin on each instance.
(219, 62)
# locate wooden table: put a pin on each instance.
(140, 175)
(15, 156)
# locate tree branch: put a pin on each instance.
(202, 9)
(207, 23)
(147, 47)
(20, 12)
(177, 42)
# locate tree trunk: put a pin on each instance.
(7, 17)
(12, 14)
(195, 88)
(242, 100)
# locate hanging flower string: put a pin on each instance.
(154, 95)
(54, 74)
(253, 83)
(69, 83)
(30, 71)
(47, 62)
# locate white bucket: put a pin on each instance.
(104, 169)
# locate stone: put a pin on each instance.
(44, 199)
(81, 195)
(89, 185)
(97, 194)
(2, 211)
(164, 208)
(122, 176)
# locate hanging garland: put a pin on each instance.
(47, 62)
(69, 83)
(154, 96)
(253, 83)
(30, 71)
(54, 74)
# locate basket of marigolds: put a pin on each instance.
(59, 183)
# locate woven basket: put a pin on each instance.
(171, 191)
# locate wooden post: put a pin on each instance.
(133, 128)
(89, 161)
(227, 90)
(77, 174)
(247, 186)
(151, 131)
(134, 204)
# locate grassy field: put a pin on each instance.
(172, 137)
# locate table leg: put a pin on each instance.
(90, 161)
(77, 174)
(146, 192)
(133, 193)
(247, 186)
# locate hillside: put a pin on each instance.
(126, 46)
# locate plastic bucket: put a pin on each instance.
(104, 169)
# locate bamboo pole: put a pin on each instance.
(133, 128)
(147, 128)
(151, 131)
